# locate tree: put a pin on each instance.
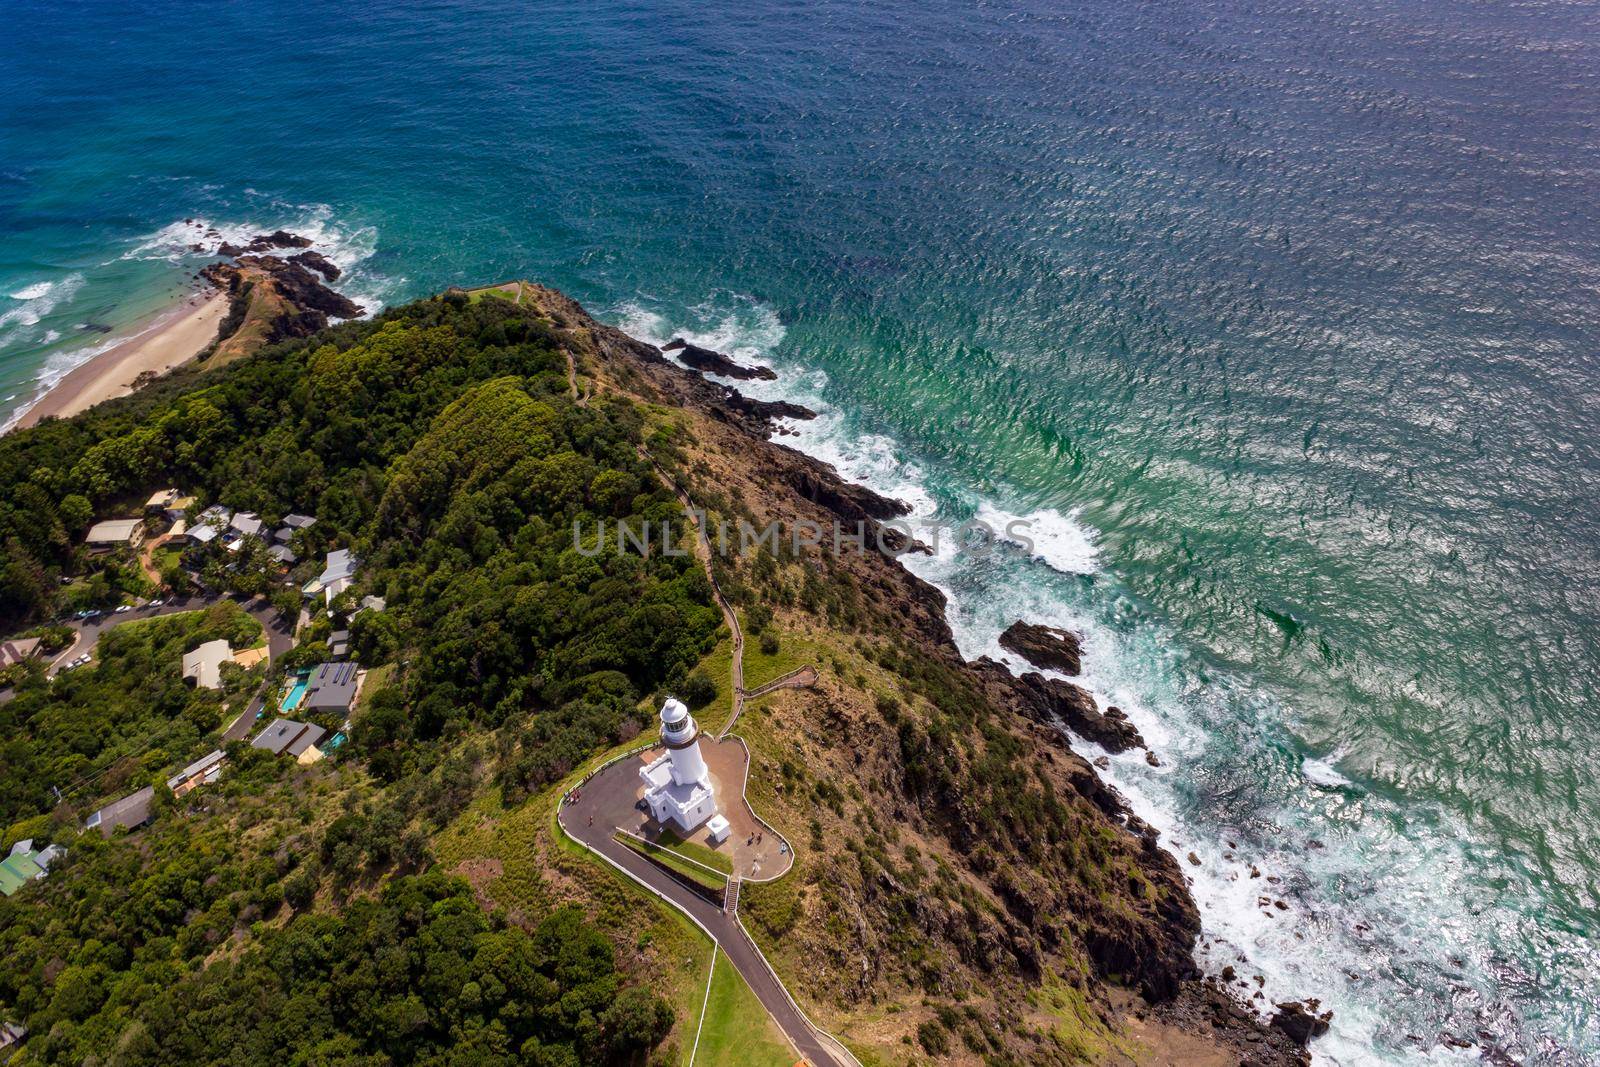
(76, 512)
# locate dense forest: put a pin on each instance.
(438, 442)
(118, 723)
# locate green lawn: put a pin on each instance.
(475, 295)
(696, 851)
(670, 859)
(737, 1031)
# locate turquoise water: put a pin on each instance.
(296, 693)
(1279, 321)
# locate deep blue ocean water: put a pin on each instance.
(1280, 321)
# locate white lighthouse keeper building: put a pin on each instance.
(677, 785)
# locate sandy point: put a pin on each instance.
(171, 341)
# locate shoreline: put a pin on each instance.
(174, 338)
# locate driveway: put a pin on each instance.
(586, 819)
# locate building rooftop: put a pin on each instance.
(17, 650)
(113, 531)
(203, 665)
(288, 736)
(132, 810)
(209, 765)
(332, 687)
(341, 565)
(299, 522)
(247, 523)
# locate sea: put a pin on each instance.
(1276, 323)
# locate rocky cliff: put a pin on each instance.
(964, 880)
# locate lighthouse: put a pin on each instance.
(677, 786)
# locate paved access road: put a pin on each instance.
(279, 638)
(723, 928)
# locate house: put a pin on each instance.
(339, 644)
(338, 573)
(331, 687)
(179, 533)
(203, 533)
(372, 603)
(203, 666)
(287, 737)
(283, 554)
(247, 524)
(178, 508)
(114, 534)
(24, 865)
(18, 650)
(160, 501)
(11, 1034)
(202, 771)
(210, 524)
(131, 811)
(292, 524)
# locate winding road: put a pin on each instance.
(587, 821)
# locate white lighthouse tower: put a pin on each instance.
(677, 786)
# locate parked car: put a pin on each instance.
(156, 603)
(123, 608)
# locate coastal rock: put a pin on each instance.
(1044, 646)
(709, 362)
(1300, 1023)
(228, 248)
(301, 288)
(765, 411)
(1051, 699)
(317, 262)
(266, 242)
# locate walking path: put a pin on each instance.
(702, 550)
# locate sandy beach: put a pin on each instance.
(172, 340)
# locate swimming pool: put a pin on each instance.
(297, 693)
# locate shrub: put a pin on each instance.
(698, 690)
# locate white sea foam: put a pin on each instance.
(1322, 772)
(36, 301)
(348, 247)
(1059, 541)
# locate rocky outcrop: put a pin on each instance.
(1300, 1022)
(302, 288)
(764, 411)
(274, 298)
(317, 262)
(1058, 701)
(709, 362)
(1044, 646)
